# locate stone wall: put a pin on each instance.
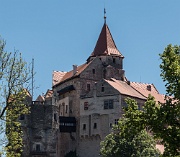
(89, 147)
(41, 130)
(66, 143)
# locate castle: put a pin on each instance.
(83, 104)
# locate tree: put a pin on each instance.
(14, 82)
(165, 119)
(129, 138)
(17, 108)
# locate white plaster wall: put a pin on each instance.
(96, 105)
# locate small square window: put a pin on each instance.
(93, 71)
(116, 121)
(84, 126)
(108, 104)
(95, 125)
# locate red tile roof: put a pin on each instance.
(57, 77)
(60, 77)
(143, 89)
(124, 88)
(105, 44)
(48, 94)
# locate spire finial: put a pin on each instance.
(104, 15)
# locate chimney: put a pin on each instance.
(149, 87)
(128, 82)
(74, 69)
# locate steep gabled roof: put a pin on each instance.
(57, 77)
(124, 88)
(48, 94)
(68, 75)
(145, 89)
(105, 44)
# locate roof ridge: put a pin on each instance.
(142, 83)
(121, 87)
(59, 71)
(69, 75)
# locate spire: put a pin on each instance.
(105, 44)
(104, 15)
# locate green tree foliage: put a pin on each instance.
(17, 107)
(165, 119)
(129, 138)
(170, 70)
(14, 80)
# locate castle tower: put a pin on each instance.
(106, 46)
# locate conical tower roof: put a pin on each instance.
(105, 44)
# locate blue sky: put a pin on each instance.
(60, 33)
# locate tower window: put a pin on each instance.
(93, 71)
(84, 126)
(88, 87)
(114, 60)
(95, 125)
(102, 88)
